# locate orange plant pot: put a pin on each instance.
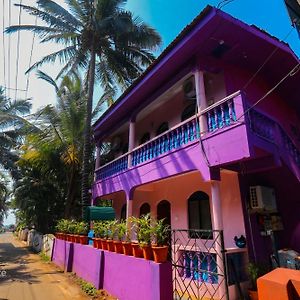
(97, 243)
(83, 239)
(77, 238)
(253, 295)
(118, 247)
(127, 248)
(147, 252)
(137, 251)
(160, 254)
(73, 240)
(110, 245)
(68, 238)
(104, 244)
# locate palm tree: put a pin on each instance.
(12, 127)
(99, 36)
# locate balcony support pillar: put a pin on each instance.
(131, 142)
(201, 98)
(216, 205)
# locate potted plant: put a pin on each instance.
(72, 230)
(144, 235)
(255, 271)
(161, 232)
(99, 233)
(61, 229)
(104, 235)
(136, 249)
(111, 231)
(126, 229)
(120, 233)
(82, 229)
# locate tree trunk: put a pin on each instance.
(85, 197)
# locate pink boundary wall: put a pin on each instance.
(126, 277)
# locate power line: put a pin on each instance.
(30, 59)
(18, 52)
(291, 73)
(9, 40)
(13, 89)
(3, 42)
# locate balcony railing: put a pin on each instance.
(271, 131)
(219, 115)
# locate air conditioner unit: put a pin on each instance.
(262, 198)
(189, 89)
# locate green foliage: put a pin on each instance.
(100, 229)
(143, 229)
(112, 227)
(256, 270)
(44, 257)
(121, 231)
(82, 228)
(161, 232)
(87, 287)
(62, 226)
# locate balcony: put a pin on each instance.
(228, 126)
(219, 116)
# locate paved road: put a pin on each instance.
(23, 276)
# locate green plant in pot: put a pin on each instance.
(82, 229)
(134, 230)
(125, 231)
(144, 235)
(71, 229)
(120, 233)
(255, 270)
(161, 233)
(61, 229)
(111, 227)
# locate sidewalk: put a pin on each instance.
(23, 276)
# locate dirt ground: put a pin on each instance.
(24, 276)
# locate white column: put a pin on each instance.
(97, 164)
(129, 204)
(131, 141)
(217, 222)
(201, 98)
(216, 206)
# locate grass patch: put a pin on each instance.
(44, 257)
(87, 287)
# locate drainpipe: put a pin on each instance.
(201, 98)
(131, 141)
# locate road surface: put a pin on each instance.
(24, 276)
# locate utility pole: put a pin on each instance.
(293, 8)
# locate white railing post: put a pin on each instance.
(201, 98)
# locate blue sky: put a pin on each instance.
(170, 17)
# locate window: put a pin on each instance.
(189, 111)
(199, 215)
(123, 212)
(162, 128)
(145, 138)
(144, 209)
(164, 211)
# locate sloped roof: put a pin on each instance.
(206, 23)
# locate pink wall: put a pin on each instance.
(178, 189)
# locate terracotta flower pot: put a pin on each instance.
(77, 238)
(72, 238)
(160, 253)
(127, 248)
(64, 236)
(68, 237)
(137, 251)
(110, 245)
(253, 294)
(104, 244)
(83, 239)
(118, 247)
(97, 243)
(147, 252)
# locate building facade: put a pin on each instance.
(209, 138)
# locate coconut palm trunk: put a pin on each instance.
(85, 196)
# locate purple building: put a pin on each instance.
(209, 139)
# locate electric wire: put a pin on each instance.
(3, 45)
(18, 51)
(9, 44)
(30, 60)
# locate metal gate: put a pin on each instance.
(198, 265)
